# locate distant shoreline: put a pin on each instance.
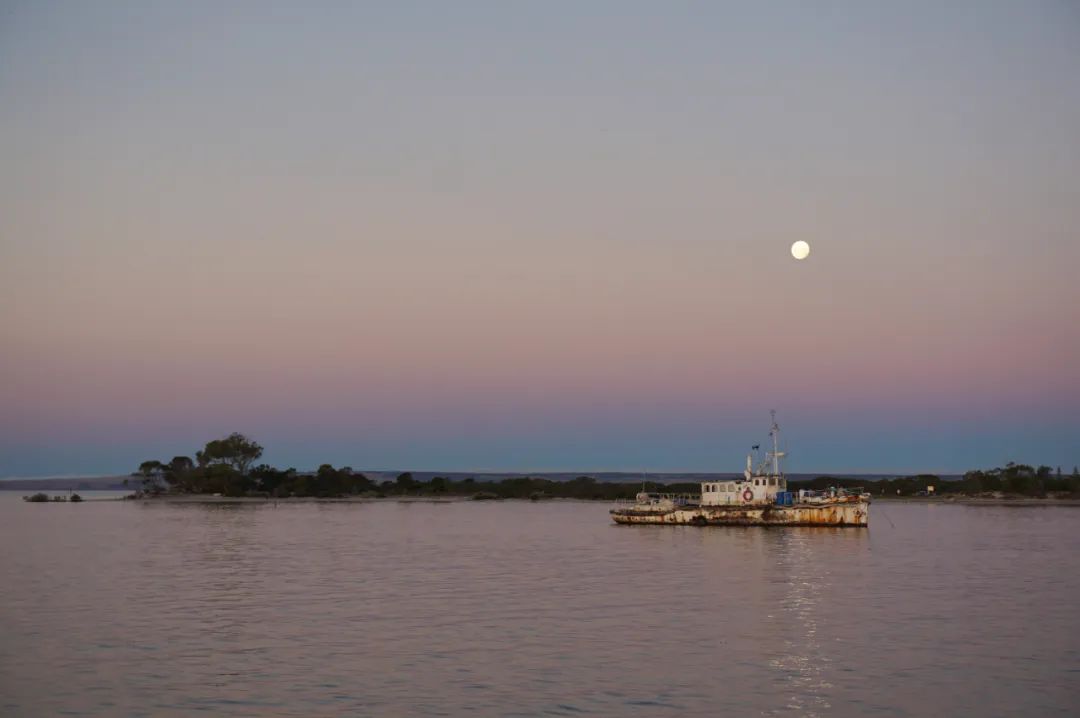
(978, 501)
(115, 482)
(1018, 501)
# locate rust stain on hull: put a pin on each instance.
(849, 513)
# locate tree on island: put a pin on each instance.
(405, 482)
(221, 467)
(151, 471)
(178, 472)
(235, 450)
(330, 482)
(180, 464)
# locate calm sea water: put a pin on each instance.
(524, 609)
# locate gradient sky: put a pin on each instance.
(540, 236)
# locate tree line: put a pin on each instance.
(1014, 479)
(227, 466)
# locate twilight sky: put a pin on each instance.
(540, 235)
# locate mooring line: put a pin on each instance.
(887, 517)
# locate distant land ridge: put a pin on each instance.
(116, 483)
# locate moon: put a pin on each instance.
(800, 250)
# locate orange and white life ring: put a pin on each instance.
(747, 495)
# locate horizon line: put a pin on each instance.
(518, 472)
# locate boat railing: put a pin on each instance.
(677, 499)
(829, 495)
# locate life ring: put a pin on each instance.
(747, 495)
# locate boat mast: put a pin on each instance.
(776, 453)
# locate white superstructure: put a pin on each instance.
(759, 484)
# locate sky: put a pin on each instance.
(540, 236)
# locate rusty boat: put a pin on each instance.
(760, 498)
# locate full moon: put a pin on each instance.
(800, 250)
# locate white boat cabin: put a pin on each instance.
(753, 490)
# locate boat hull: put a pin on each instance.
(848, 513)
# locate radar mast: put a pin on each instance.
(775, 454)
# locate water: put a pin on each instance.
(516, 608)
